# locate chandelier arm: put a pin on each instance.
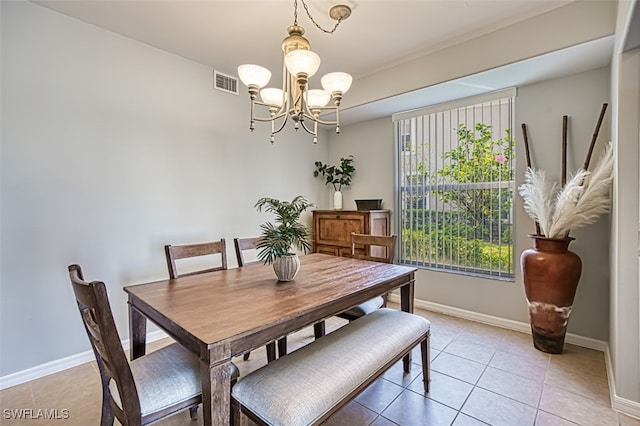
(304, 126)
(273, 130)
(280, 113)
(324, 122)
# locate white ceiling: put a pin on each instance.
(223, 34)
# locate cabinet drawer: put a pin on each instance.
(336, 229)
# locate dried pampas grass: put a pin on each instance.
(582, 200)
(536, 193)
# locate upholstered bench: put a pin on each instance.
(308, 385)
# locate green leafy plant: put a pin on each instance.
(479, 159)
(278, 239)
(338, 176)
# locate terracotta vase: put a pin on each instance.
(551, 274)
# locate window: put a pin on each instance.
(455, 178)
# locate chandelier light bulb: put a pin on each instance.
(272, 96)
(317, 98)
(254, 75)
(302, 62)
(336, 82)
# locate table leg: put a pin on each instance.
(137, 332)
(406, 304)
(216, 393)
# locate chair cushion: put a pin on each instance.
(165, 377)
(299, 388)
(366, 308)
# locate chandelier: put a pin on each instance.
(295, 99)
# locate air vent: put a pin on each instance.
(225, 82)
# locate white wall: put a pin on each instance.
(371, 144)
(541, 106)
(625, 242)
(111, 149)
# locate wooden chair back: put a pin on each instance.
(242, 245)
(387, 243)
(174, 253)
(95, 311)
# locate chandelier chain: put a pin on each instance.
(306, 8)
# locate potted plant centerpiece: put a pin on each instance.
(278, 239)
(338, 176)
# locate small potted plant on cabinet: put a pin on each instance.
(338, 176)
(278, 239)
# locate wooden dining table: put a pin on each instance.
(223, 314)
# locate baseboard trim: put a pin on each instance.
(622, 405)
(62, 364)
(574, 339)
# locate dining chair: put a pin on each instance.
(174, 253)
(150, 388)
(377, 248)
(247, 244)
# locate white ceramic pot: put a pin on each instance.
(337, 200)
(286, 267)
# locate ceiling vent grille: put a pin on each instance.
(225, 83)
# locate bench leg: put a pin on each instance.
(271, 351)
(282, 347)
(318, 330)
(425, 349)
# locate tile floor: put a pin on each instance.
(481, 375)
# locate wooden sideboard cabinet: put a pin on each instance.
(332, 229)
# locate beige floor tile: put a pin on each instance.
(511, 386)
(546, 419)
(590, 386)
(627, 421)
(20, 417)
(86, 415)
(440, 339)
(530, 367)
(379, 395)
(444, 389)
(352, 414)
(581, 361)
(498, 410)
(457, 367)
(520, 343)
(154, 346)
(382, 421)
(16, 397)
(72, 388)
(397, 375)
(464, 420)
(415, 410)
(576, 408)
(469, 350)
